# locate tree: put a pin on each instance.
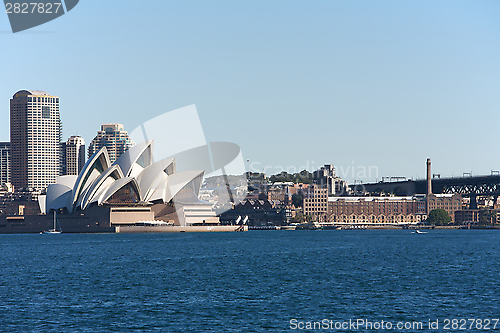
(302, 177)
(299, 218)
(487, 216)
(438, 217)
(297, 200)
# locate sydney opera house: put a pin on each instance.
(132, 191)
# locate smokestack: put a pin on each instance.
(429, 181)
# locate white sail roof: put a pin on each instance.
(94, 166)
(134, 160)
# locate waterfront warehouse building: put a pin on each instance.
(376, 210)
(35, 136)
(114, 138)
(449, 202)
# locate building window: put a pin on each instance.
(46, 112)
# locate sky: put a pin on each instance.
(372, 87)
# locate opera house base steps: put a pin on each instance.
(213, 228)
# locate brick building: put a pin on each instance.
(316, 202)
(449, 202)
(376, 210)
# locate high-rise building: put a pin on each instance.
(114, 138)
(325, 177)
(74, 155)
(62, 158)
(4, 163)
(35, 136)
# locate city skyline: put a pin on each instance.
(294, 84)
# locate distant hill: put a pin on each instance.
(300, 177)
(219, 181)
(257, 178)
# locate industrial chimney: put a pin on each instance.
(429, 181)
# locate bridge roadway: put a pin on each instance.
(466, 186)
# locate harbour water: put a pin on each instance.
(257, 281)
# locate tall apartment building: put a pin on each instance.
(114, 138)
(4, 163)
(62, 158)
(35, 136)
(325, 177)
(74, 155)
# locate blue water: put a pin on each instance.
(255, 281)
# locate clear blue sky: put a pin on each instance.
(294, 83)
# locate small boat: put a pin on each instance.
(418, 232)
(54, 230)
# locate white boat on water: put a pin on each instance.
(419, 232)
(54, 229)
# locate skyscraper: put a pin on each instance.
(4, 163)
(114, 138)
(35, 136)
(74, 155)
